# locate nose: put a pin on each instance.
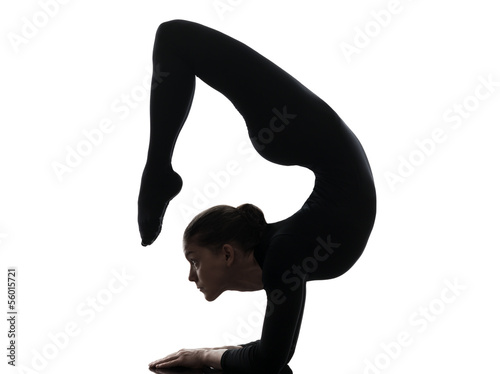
(192, 275)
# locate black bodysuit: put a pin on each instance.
(288, 125)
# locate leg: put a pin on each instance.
(288, 124)
(169, 106)
(269, 99)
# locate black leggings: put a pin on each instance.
(287, 123)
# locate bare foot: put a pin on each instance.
(158, 187)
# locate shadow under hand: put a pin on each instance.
(181, 370)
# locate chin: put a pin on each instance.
(211, 298)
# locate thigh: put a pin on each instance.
(287, 122)
(248, 79)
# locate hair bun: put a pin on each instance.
(253, 215)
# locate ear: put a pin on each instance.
(228, 252)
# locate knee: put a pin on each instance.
(172, 26)
(167, 37)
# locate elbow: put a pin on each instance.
(272, 365)
(277, 369)
(282, 369)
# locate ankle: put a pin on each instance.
(160, 167)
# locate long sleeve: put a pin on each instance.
(285, 302)
(247, 344)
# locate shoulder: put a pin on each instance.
(283, 252)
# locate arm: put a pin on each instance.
(193, 358)
(226, 347)
(212, 357)
(285, 303)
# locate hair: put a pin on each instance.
(223, 224)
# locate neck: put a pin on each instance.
(247, 275)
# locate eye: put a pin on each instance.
(194, 263)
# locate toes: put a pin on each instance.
(154, 197)
(149, 235)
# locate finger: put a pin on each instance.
(155, 362)
(160, 361)
(167, 362)
(163, 359)
(170, 364)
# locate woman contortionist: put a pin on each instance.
(234, 248)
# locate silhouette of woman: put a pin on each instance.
(235, 248)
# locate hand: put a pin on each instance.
(188, 358)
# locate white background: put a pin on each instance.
(69, 236)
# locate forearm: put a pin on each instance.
(212, 357)
(227, 347)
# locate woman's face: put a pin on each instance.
(208, 270)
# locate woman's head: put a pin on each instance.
(223, 224)
(215, 239)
